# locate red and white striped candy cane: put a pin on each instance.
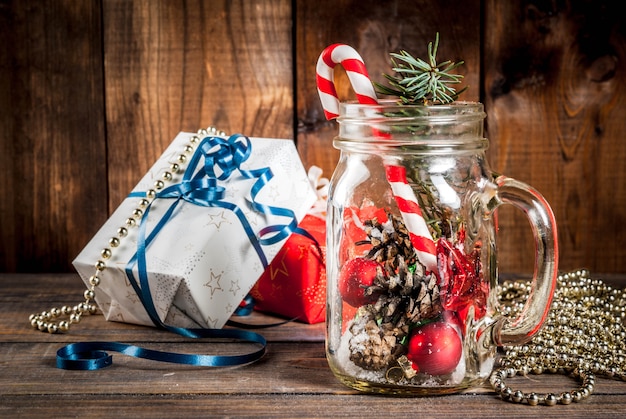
(412, 215)
(352, 62)
(403, 194)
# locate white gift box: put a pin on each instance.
(207, 237)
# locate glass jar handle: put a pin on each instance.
(543, 224)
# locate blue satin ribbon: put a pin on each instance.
(222, 158)
(93, 355)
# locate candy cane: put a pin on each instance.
(352, 62)
(403, 194)
(412, 215)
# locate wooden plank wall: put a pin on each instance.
(91, 92)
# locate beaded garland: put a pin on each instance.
(49, 321)
(584, 336)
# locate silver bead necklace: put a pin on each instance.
(584, 337)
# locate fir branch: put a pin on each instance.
(420, 82)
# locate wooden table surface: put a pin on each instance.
(291, 380)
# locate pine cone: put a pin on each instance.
(389, 241)
(425, 304)
(372, 346)
(407, 297)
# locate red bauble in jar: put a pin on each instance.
(435, 348)
(356, 281)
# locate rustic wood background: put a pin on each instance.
(91, 92)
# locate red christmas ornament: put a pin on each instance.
(435, 348)
(356, 275)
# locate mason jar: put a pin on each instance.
(412, 270)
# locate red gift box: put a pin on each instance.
(294, 284)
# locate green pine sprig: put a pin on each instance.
(420, 82)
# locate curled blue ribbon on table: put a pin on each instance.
(199, 185)
(93, 355)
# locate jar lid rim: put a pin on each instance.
(352, 110)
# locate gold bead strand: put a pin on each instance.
(46, 321)
(498, 377)
(584, 336)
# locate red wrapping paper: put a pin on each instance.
(294, 284)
